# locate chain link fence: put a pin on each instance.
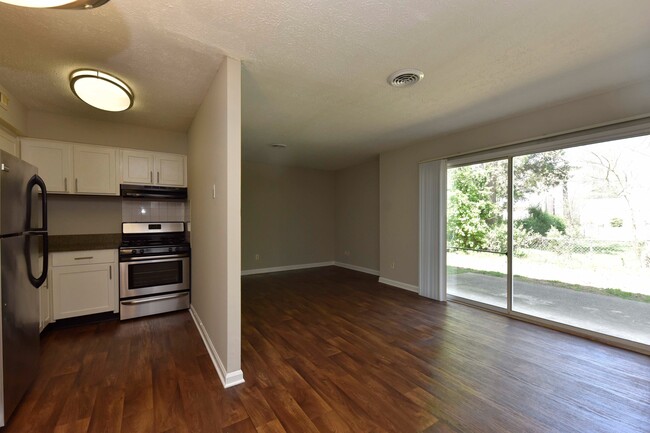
(570, 246)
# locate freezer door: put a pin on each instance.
(14, 177)
(20, 338)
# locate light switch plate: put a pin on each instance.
(4, 101)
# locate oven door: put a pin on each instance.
(153, 275)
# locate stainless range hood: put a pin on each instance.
(153, 192)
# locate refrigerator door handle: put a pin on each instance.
(36, 180)
(37, 281)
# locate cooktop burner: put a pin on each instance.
(146, 239)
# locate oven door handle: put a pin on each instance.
(155, 259)
(154, 299)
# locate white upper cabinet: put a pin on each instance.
(8, 142)
(53, 160)
(170, 169)
(71, 168)
(153, 168)
(95, 170)
(137, 167)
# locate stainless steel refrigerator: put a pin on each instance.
(23, 241)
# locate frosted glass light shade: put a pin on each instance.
(101, 90)
(64, 4)
(38, 3)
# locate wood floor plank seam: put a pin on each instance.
(332, 350)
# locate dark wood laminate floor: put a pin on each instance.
(331, 350)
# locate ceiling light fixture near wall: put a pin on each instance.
(405, 77)
(58, 4)
(101, 90)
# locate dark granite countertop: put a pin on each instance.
(108, 241)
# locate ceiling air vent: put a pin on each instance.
(405, 77)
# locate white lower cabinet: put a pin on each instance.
(83, 282)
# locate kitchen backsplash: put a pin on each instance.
(135, 211)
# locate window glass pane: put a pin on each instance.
(477, 223)
(582, 237)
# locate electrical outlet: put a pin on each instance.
(257, 257)
(392, 265)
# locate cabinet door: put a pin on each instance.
(8, 142)
(95, 170)
(137, 167)
(53, 160)
(84, 289)
(170, 169)
(45, 317)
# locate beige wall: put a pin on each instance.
(215, 159)
(15, 118)
(288, 216)
(76, 129)
(357, 215)
(83, 215)
(399, 168)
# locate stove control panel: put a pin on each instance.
(154, 251)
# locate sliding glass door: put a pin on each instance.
(561, 235)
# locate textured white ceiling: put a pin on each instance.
(315, 70)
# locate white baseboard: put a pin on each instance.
(357, 268)
(227, 379)
(400, 285)
(308, 266)
(286, 268)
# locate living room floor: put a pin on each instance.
(332, 350)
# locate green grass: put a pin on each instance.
(638, 297)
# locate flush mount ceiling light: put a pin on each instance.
(101, 90)
(59, 4)
(405, 77)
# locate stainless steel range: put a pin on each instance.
(154, 269)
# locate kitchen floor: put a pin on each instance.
(332, 350)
